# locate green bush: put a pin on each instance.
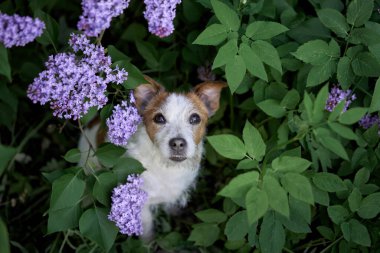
(281, 173)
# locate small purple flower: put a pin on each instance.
(160, 15)
(336, 96)
(368, 121)
(123, 122)
(73, 84)
(127, 202)
(16, 30)
(97, 15)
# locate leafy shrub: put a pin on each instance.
(289, 166)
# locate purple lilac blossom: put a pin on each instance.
(16, 30)
(123, 122)
(73, 84)
(97, 15)
(127, 202)
(368, 121)
(160, 15)
(336, 96)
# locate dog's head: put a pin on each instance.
(176, 122)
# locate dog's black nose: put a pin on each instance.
(177, 144)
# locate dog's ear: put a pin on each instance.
(209, 93)
(145, 92)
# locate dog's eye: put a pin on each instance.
(159, 118)
(194, 119)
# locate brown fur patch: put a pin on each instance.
(200, 129)
(209, 93)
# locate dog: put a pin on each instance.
(168, 142)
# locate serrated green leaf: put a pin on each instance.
(225, 53)
(253, 62)
(329, 182)
(213, 35)
(315, 52)
(375, 102)
(334, 20)
(272, 107)
(5, 67)
(240, 184)
(204, 234)
(352, 116)
(257, 205)
(263, 30)
(267, 53)
(321, 73)
(228, 145)
(278, 199)
(73, 155)
(359, 11)
(253, 142)
(235, 72)
(365, 64)
(211, 216)
(226, 15)
(369, 206)
(298, 187)
(237, 226)
(290, 164)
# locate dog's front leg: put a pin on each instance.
(147, 222)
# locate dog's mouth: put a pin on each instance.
(177, 158)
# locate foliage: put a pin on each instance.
(280, 172)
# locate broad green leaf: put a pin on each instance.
(365, 64)
(290, 164)
(228, 145)
(278, 199)
(267, 53)
(321, 73)
(256, 202)
(254, 144)
(73, 155)
(334, 20)
(237, 226)
(109, 154)
(359, 11)
(342, 130)
(204, 234)
(226, 15)
(362, 177)
(291, 99)
(235, 72)
(344, 73)
(103, 186)
(319, 105)
(95, 225)
(298, 186)
(315, 52)
(273, 108)
(308, 104)
(321, 197)
(126, 166)
(375, 102)
(213, 35)
(240, 184)
(225, 53)
(337, 111)
(247, 164)
(354, 200)
(116, 54)
(5, 67)
(64, 218)
(6, 155)
(4, 238)
(51, 32)
(135, 77)
(352, 116)
(211, 216)
(272, 235)
(334, 146)
(369, 207)
(253, 62)
(263, 30)
(329, 182)
(337, 214)
(357, 233)
(326, 232)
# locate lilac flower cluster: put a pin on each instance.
(72, 84)
(127, 202)
(336, 96)
(368, 121)
(97, 15)
(160, 15)
(16, 30)
(123, 122)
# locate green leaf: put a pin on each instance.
(135, 77)
(273, 108)
(226, 15)
(321, 197)
(225, 53)
(343, 131)
(359, 11)
(116, 54)
(126, 166)
(291, 99)
(354, 200)
(254, 143)
(235, 72)
(321, 73)
(365, 64)
(5, 67)
(213, 35)
(329, 182)
(315, 52)
(369, 207)
(375, 102)
(352, 116)
(334, 20)
(253, 62)
(237, 226)
(95, 225)
(64, 218)
(337, 214)
(267, 53)
(345, 74)
(240, 184)
(362, 177)
(290, 164)
(257, 204)
(272, 235)
(228, 145)
(298, 186)
(319, 105)
(51, 32)
(109, 154)
(278, 199)
(73, 155)
(263, 30)
(211, 216)
(204, 234)
(7, 154)
(356, 232)
(103, 186)
(4, 238)
(334, 146)
(247, 164)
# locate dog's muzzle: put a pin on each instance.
(178, 149)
